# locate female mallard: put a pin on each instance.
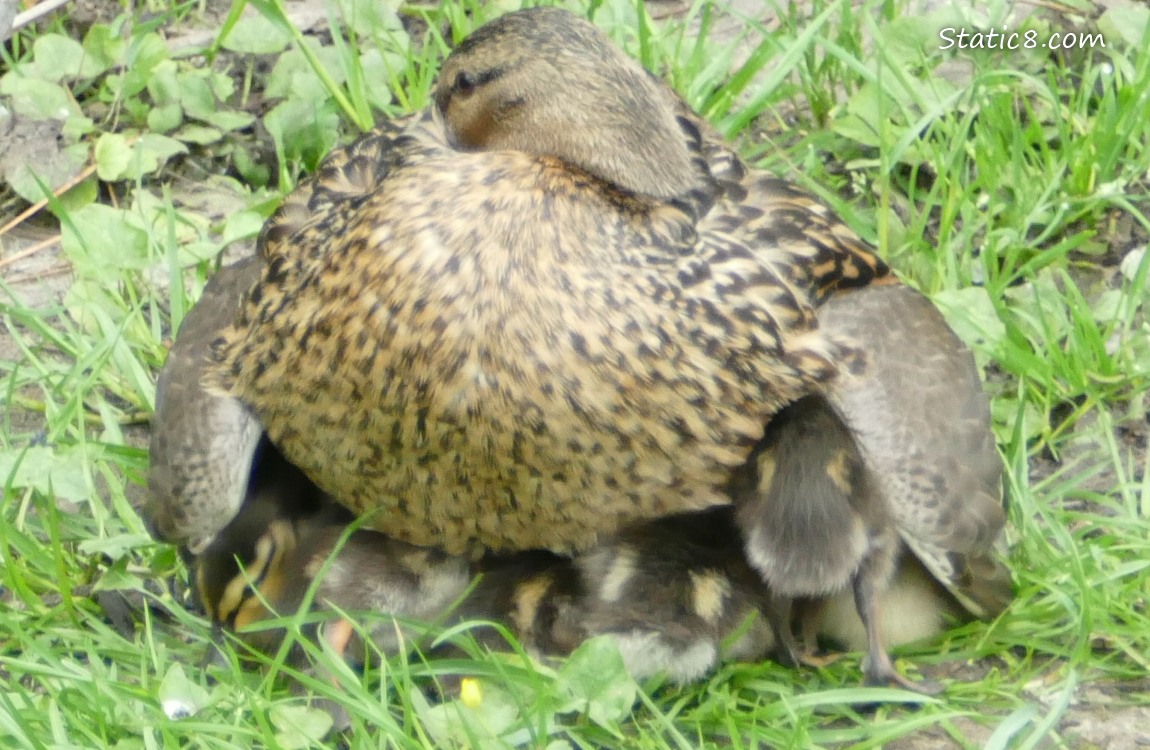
(561, 305)
(541, 327)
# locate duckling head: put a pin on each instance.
(546, 82)
(244, 577)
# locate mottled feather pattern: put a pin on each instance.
(805, 241)
(554, 313)
(564, 368)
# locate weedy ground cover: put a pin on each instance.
(1009, 185)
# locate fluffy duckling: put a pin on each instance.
(671, 592)
(900, 455)
(817, 524)
(519, 339)
(263, 564)
(678, 596)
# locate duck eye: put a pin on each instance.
(465, 83)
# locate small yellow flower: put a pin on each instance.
(470, 693)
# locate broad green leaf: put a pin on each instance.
(50, 471)
(103, 47)
(37, 98)
(299, 726)
(166, 118)
(973, 317)
(294, 77)
(228, 119)
(371, 17)
(164, 83)
(198, 134)
(489, 715)
(1130, 22)
(113, 156)
(302, 130)
(242, 225)
(144, 54)
(197, 96)
(256, 35)
(102, 243)
(377, 70)
(58, 57)
(153, 150)
(596, 682)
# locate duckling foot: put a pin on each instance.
(811, 659)
(337, 634)
(880, 672)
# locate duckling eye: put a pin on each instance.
(465, 83)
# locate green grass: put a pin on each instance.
(1014, 193)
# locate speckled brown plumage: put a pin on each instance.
(489, 349)
(487, 339)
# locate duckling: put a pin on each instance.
(900, 455)
(670, 591)
(677, 595)
(532, 332)
(263, 564)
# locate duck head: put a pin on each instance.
(546, 82)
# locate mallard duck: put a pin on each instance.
(670, 591)
(557, 305)
(526, 336)
(810, 490)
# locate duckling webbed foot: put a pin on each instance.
(878, 669)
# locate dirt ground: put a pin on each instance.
(37, 273)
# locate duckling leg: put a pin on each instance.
(779, 618)
(337, 634)
(878, 668)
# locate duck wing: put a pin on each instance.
(923, 422)
(202, 444)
